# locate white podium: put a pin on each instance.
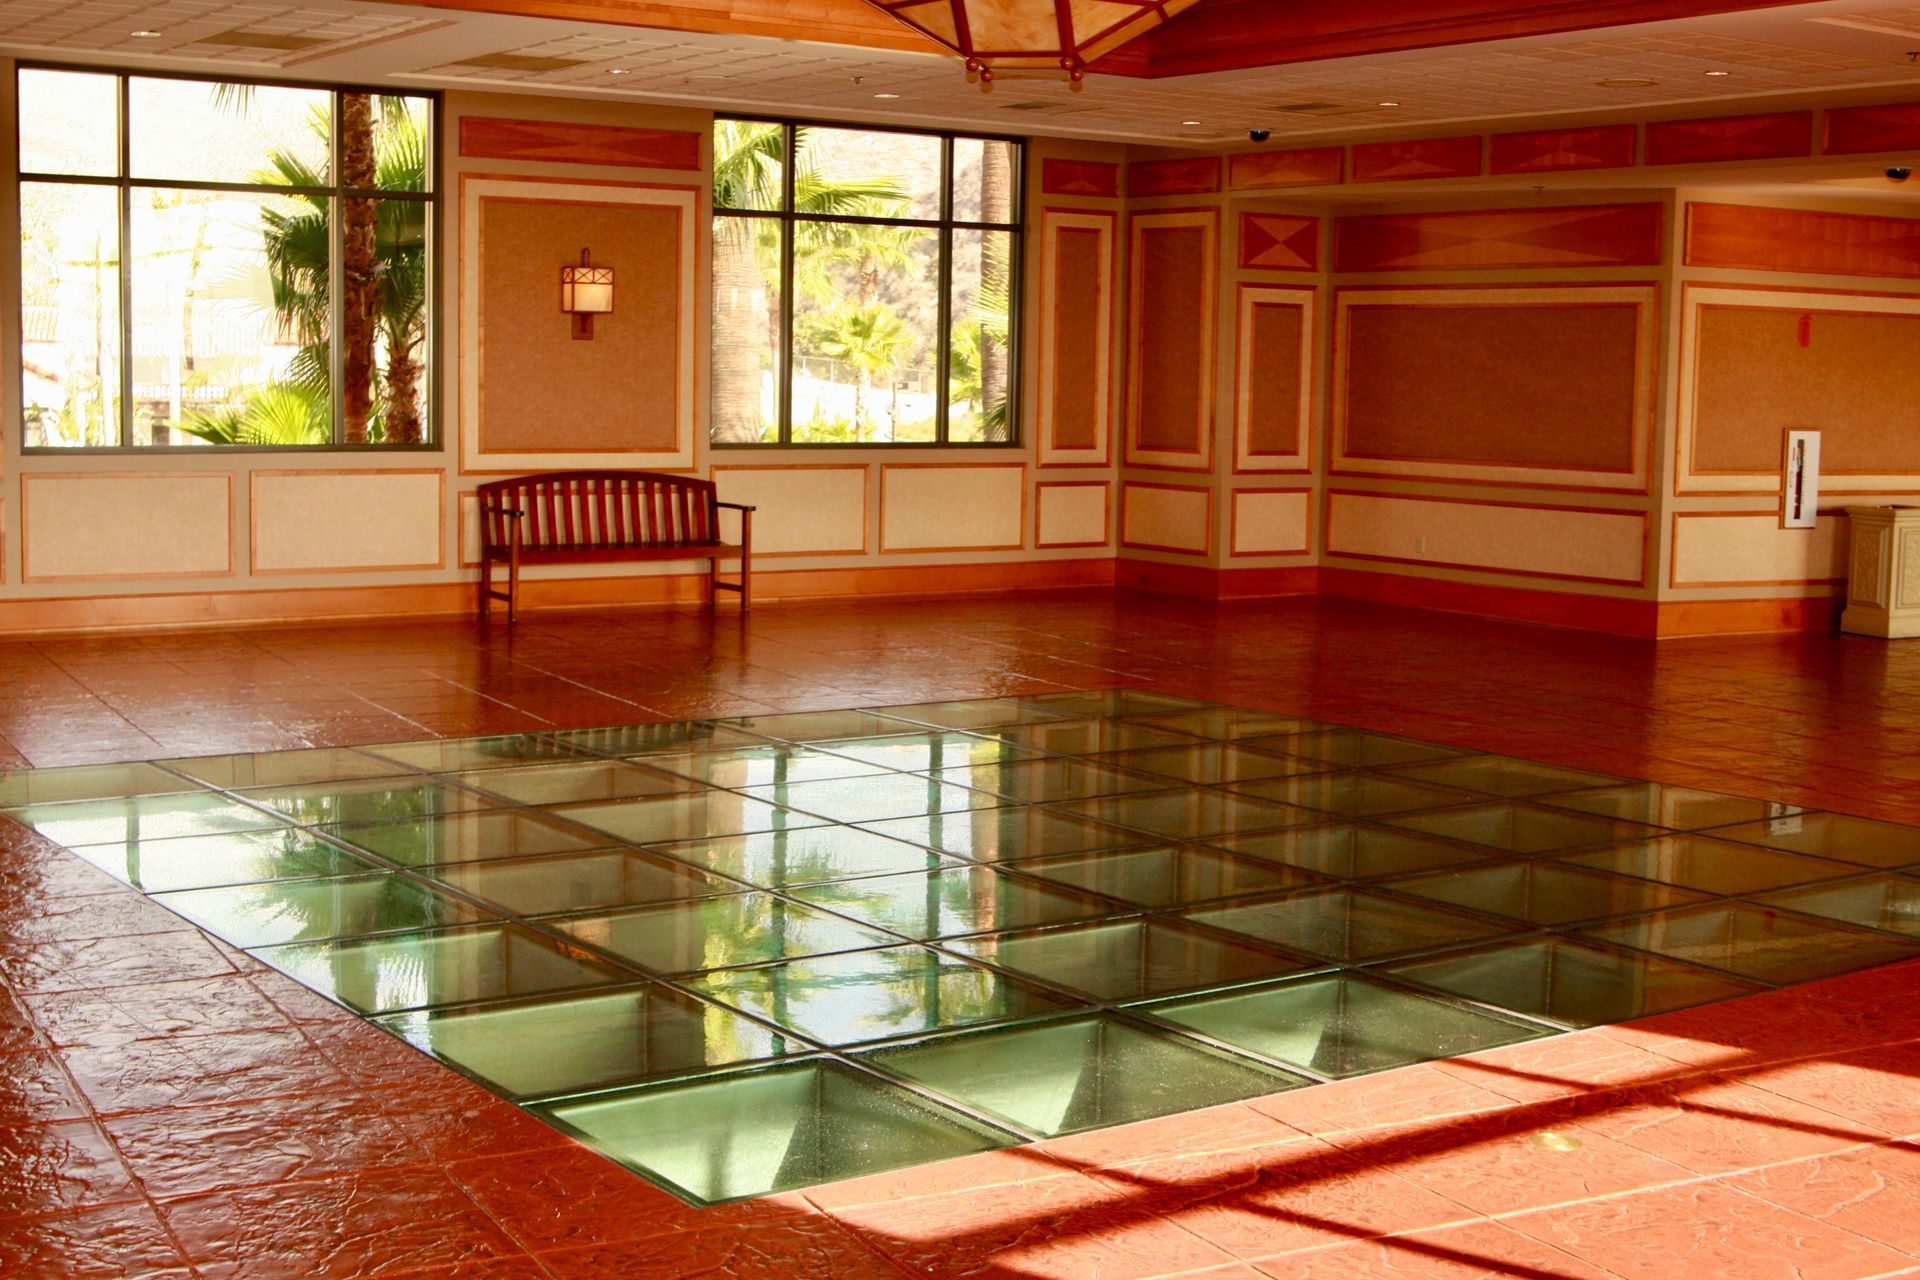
(1883, 576)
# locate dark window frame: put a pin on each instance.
(125, 184)
(944, 228)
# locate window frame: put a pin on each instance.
(124, 184)
(943, 228)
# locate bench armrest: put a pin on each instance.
(735, 506)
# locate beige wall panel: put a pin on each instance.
(163, 525)
(1746, 549)
(1071, 515)
(802, 510)
(1163, 518)
(937, 508)
(1270, 523)
(469, 530)
(1547, 542)
(337, 522)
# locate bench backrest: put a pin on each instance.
(600, 509)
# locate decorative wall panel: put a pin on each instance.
(562, 142)
(1546, 385)
(1167, 517)
(1272, 522)
(1775, 136)
(1804, 240)
(1279, 242)
(1750, 549)
(1171, 327)
(118, 525)
(1073, 513)
(346, 521)
(1197, 175)
(532, 397)
(1080, 178)
(935, 507)
(1264, 170)
(1417, 159)
(1754, 363)
(1560, 150)
(1576, 544)
(1623, 235)
(1273, 378)
(803, 510)
(1852, 131)
(1076, 337)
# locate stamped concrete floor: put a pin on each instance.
(169, 1105)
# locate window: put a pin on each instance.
(863, 286)
(191, 250)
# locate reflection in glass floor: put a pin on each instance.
(746, 956)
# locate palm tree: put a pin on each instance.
(748, 159)
(870, 338)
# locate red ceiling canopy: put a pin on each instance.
(1031, 37)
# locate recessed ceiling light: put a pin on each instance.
(1389, 104)
(1625, 82)
(887, 97)
(144, 35)
(616, 71)
(1719, 73)
(1190, 123)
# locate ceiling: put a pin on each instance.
(1838, 50)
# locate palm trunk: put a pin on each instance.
(403, 421)
(739, 317)
(996, 205)
(359, 267)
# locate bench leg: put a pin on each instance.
(713, 581)
(486, 584)
(513, 586)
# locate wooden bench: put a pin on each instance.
(600, 517)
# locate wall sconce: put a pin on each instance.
(586, 291)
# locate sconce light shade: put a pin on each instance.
(586, 291)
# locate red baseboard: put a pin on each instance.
(1216, 584)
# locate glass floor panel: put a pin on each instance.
(749, 955)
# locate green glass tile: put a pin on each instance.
(1660, 805)
(874, 797)
(401, 971)
(755, 1133)
(1756, 942)
(815, 726)
(467, 837)
(1887, 902)
(1521, 828)
(1230, 724)
(1342, 1024)
(719, 933)
(1861, 841)
(956, 901)
(1128, 959)
(1163, 877)
(1090, 737)
(1350, 852)
(1007, 835)
(137, 818)
(1571, 983)
(1192, 814)
(580, 881)
(1503, 776)
(285, 768)
(239, 857)
(980, 713)
(1112, 702)
(87, 782)
(1057, 1078)
(666, 819)
(596, 1041)
(780, 859)
(1355, 795)
(1210, 763)
(1051, 778)
(373, 800)
(1355, 748)
(572, 782)
(927, 752)
(452, 755)
(1709, 865)
(759, 766)
(276, 911)
(1346, 924)
(857, 996)
(1544, 893)
(651, 739)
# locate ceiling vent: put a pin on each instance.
(262, 40)
(520, 62)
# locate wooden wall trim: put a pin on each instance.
(1250, 297)
(1807, 241)
(1567, 236)
(1106, 525)
(566, 142)
(1140, 226)
(1053, 299)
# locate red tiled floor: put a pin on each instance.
(1754, 1138)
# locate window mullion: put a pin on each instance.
(336, 308)
(125, 250)
(943, 305)
(790, 157)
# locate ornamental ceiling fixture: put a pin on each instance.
(1031, 38)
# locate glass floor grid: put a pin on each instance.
(761, 953)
